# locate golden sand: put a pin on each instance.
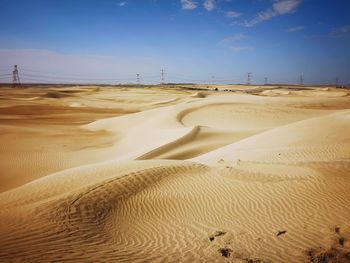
(170, 174)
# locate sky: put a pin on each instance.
(200, 41)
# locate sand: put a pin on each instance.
(175, 174)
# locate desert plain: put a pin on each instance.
(196, 173)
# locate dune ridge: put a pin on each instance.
(256, 175)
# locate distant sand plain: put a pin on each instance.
(171, 174)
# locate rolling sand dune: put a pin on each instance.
(174, 175)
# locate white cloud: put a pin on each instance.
(234, 38)
(279, 7)
(285, 6)
(232, 14)
(209, 5)
(231, 43)
(122, 3)
(340, 31)
(295, 29)
(241, 48)
(188, 4)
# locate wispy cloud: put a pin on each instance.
(285, 6)
(234, 38)
(241, 48)
(279, 7)
(189, 4)
(209, 5)
(122, 3)
(295, 29)
(340, 31)
(232, 14)
(231, 43)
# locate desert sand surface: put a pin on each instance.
(175, 174)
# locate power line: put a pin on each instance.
(67, 74)
(126, 78)
(70, 78)
(42, 76)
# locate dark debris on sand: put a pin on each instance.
(216, 234)
(336, 254)
(282, 232)
(332, 255)
(225, 252)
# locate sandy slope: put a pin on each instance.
(260, 175)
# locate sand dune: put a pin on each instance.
(308, 140)
(175, 175)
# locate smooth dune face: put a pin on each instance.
(253, 174)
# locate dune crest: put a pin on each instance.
(170, 175)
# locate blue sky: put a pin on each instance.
(111, 41)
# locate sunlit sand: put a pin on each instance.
(172, 174)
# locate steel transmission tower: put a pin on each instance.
(15, 78)
(138, 79)
(162, 76)
(301, 80)
(249, 78)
